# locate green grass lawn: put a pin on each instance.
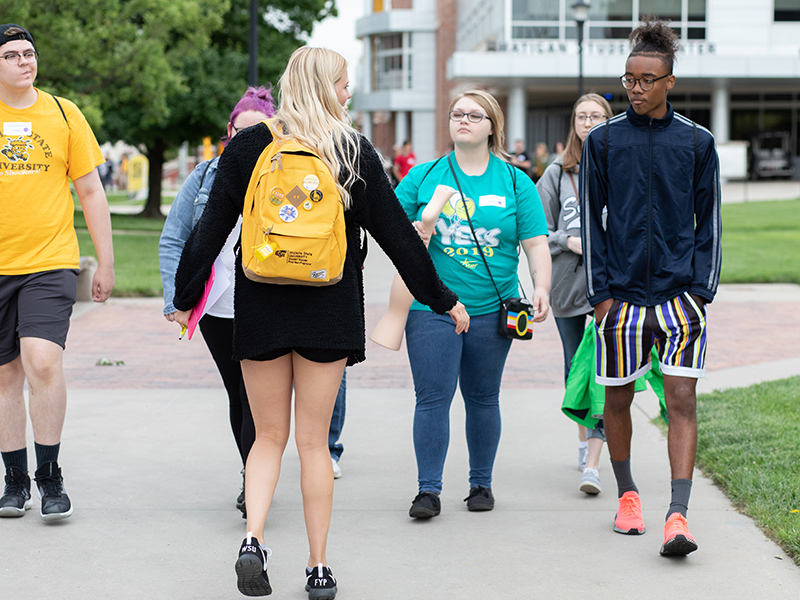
(761, 242)
(749, 445)
(135, 253)
(135, 263)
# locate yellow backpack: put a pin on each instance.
(293, 229)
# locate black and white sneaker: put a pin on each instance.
(480, 499)
(16, 498)
(55, 502)
(251, 568)
(425, 506)
(320, 583)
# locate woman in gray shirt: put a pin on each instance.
(558, 188)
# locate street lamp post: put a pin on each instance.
(580, 12)
(252, 45)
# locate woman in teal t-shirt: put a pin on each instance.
(506, 211)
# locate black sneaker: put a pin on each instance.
(55, 502)
(17, 495)
(251, 568)
(425, 506)
(480, 498)
(320, 583)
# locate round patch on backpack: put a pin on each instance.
(308, 205)
(287, 213)
(276, 195)
(311, 182)
(316, 195)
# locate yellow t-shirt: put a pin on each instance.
(38, 152)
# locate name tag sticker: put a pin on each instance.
(14, 128)
(492, 200)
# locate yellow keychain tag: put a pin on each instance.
(265, 250)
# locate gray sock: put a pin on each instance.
(622, 471)
(681, 490)
(16, 458)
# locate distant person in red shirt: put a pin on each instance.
(404, 161)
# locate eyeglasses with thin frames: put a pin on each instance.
(474, 117)
(646, 83)
(594, 118)
(28, 55)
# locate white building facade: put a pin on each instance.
(737, 74)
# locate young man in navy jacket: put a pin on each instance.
(650, 223)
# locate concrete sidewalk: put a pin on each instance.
(151, 466)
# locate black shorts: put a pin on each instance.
(318, 355)
(37, 305)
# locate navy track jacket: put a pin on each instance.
(658, 180)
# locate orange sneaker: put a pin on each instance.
(629, 515)
(677, 539)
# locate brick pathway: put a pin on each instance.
(135, 332)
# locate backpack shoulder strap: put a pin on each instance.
(605, 149)
(513, 171)
(203, 176)
(63, 114)
(696, 151)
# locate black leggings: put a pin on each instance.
(218, 335)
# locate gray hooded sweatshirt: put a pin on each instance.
(562, 209)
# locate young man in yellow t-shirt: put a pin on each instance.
(44, 143)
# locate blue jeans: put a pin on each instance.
(440, 359)
(571, 331)
(337, 421)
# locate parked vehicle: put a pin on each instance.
(772, 155)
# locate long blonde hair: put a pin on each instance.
(310, 113)
(572, 152)
(497, 139)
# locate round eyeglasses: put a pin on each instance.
(474, 117)
(646, 83)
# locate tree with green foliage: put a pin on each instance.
(155, 74)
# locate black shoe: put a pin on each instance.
(480, 498)
(320, 583)
(55, 502)
(17, 495)
(425, 506)
(251, 568)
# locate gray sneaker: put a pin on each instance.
(590, 482)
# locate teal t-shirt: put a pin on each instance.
(501, 219)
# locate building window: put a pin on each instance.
(392, 62)
(608, 19)
(787, 10)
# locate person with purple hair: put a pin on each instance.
(217, 325)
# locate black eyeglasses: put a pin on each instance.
(28, 55)
(474, 117)
(646, 83)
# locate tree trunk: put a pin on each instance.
(155, 156)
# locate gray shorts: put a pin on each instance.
(37, 305)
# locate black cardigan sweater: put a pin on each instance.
(267, 316)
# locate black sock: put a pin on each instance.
(45, 454)
(681, 490)
(16, 458)
(622, 471)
